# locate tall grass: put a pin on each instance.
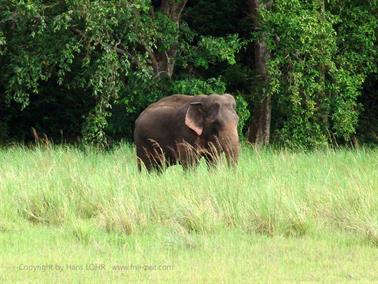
(269, 193)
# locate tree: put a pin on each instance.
(315, 71)
(85, 69)
(163, 57)
(101, 57)
(259, 128)
(86, 48)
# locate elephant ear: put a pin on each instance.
(194, 117)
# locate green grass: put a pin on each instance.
(279, 216)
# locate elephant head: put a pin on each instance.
(213, 118)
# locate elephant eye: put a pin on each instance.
(213, 109)
(232, 106)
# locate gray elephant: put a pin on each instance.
(182, 129)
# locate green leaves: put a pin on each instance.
(243, 112)
(92, 47)
(27, 72)
(221, 48)
(105, 55)
(194, 86)
(3, 43)
(67, 58)
(320, 57)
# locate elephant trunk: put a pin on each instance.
(229, 140)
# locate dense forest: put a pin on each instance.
(304, 73)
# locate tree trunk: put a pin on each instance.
(324, 111)
(259, 128)
(163, 62)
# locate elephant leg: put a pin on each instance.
(189, 165)
(187, 156)
(212, 153)
(154, 166)
(150, 159)
(211, 160)
(142, 158)
(189, 161)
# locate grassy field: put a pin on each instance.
(87, 217)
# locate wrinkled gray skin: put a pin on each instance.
(182, 129)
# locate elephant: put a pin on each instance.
(180, 129)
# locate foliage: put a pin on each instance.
(243, 113)
(320, 57)
(87, 46)
(85, 69)
(197, 86)
(217, 49)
